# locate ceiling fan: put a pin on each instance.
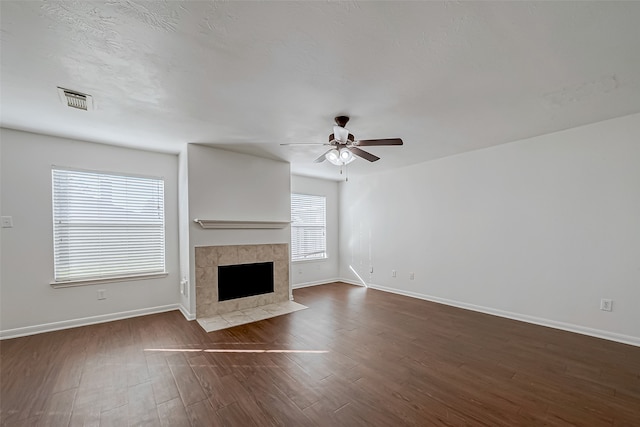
(344, 146)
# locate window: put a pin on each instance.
(106, 225)
(308, 227)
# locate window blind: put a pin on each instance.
(106, 225)
(308, 227)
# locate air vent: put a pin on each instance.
(74, 99)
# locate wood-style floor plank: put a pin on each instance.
(187, 383)
(355, 357)
(57, 411)
(142, 406)
(115, 417)
(172, 414)
(202, 414)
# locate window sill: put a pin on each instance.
(238, 225)
(84, 282)
(304, 261)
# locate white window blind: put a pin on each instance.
(106, 225)
(308, 227)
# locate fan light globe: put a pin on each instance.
(332, 156)
(340, 158)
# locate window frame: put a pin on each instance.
(325, 254)
(119, 180)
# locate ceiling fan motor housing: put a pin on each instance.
(341, 134)
(342, 121)
(350, 138)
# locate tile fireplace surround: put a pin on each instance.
(209, 258)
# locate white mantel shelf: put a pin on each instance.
(214, 223)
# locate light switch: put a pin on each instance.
(7, 221)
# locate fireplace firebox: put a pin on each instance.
(244, 280)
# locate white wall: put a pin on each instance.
(29, 304)
(183, 230)
(229, 186)
(1, 230)
(540, 229)
(305, 273)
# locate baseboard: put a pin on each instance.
(84, 321)
(351, 282)
(611, 336)
(326, 282)
(187, 315)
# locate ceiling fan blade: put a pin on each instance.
(322, 158)
(361, 153)
(373, 142)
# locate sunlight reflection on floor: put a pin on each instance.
(230, 350)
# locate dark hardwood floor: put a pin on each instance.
(355, 357)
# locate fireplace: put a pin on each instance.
(244, 280)
(223, 263)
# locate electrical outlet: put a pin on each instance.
(412, 276)
(393, 273)
(101, 294)
(7, 222)
(606, 304)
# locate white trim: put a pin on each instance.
(315, 283)
(84, 321)
(108, 172)
(187, 315)
(328, 282)
(98, 281)
(352, 282)
(214, 223)
(598, 333)
(310, 260)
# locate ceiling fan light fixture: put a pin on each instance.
(346, 156)
(345, 148)
(340, 158)
(333, 157)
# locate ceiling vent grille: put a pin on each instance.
(74, 99)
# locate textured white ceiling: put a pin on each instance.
(446, 77)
